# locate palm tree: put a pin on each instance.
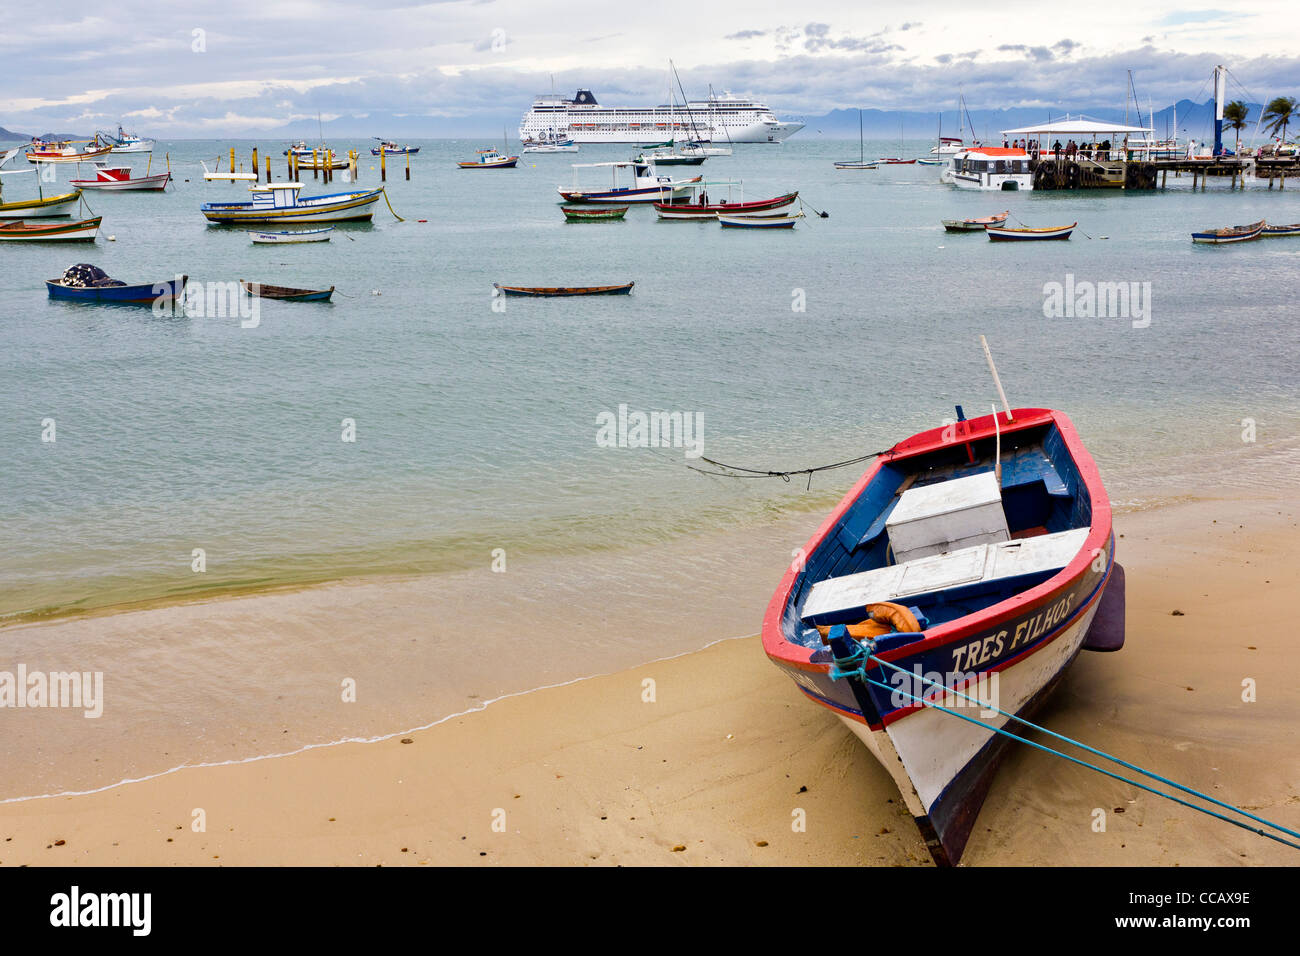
(1234, 117)
(1280, 113)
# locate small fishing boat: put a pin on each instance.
(22, 231)
(853, 165)
(280, 202)
(759, 222)
(895, 161)
(392, 149)
(323, 160)
(1009, 234)
(1292, 230)
(110, 290)
(975, 225)
(550, 142)
(292, 236)
(124, 142)
(975, 559)
(647, 185)
(489, 158)
(1231, 234)
(698, 205)
(284, 293)
(115, 178)
(593, 214)
(42, 152)
(550, 291)
(929, 162)
(42, 208)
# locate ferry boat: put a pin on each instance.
(647, 185)
(988, 167)
(722, 117)
(124, 142)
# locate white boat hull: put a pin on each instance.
(34, 210)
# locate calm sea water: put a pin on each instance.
(476, 428)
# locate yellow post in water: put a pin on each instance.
(232, 160)
(383, 162)
(256, 164)
(268, 167)
(315, 165)
(408, 163)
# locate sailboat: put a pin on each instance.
(861, 163)
(897, 160)
(949, 145)
(938, 143)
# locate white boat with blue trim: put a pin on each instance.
(280, 202)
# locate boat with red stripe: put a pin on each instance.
(950, 588)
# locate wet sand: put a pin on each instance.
(715, 769)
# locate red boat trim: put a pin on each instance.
(798, 657)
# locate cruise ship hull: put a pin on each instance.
(720, 120)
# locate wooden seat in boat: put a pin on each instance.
(834, 599)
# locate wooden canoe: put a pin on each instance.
(145, 293)
(1231, 233)
(563, 290)
(594, 213)
(975, 225)
(1006, 234)
(286, 294)
(21, 231)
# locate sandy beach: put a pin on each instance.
(714, 769)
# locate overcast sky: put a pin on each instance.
(246, 68)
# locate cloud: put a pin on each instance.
(745, 35)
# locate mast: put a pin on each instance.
(862, 156)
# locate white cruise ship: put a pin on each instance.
(720, 119)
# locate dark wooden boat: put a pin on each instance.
(563, 290)
(593, 214)
(284, 293)
(1290, 230)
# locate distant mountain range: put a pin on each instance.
(9, 136)
(1195, 121)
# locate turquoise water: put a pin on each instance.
(476, 428)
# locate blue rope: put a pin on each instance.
(860, 673)
(1099, 753)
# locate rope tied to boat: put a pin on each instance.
(384, 190)
(855, 665)
(783, 475)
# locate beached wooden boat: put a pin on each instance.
(549, 291)
(284, 293)
(1290, 230)
(280, 202)
(145, 293)
(118, 178)
(20, 230)
(292, 236)
(43, 208)
(976, 558)
(975, 225)
(759, 221)
(594, 213)
(489, 158)
(1009, 234)
(1231, 234)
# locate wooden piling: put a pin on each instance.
(256, 165)
(408, 165)
(383, 163)
(232, 160)
(268, 167)
(315, 165)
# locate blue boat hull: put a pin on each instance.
(143, 294)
